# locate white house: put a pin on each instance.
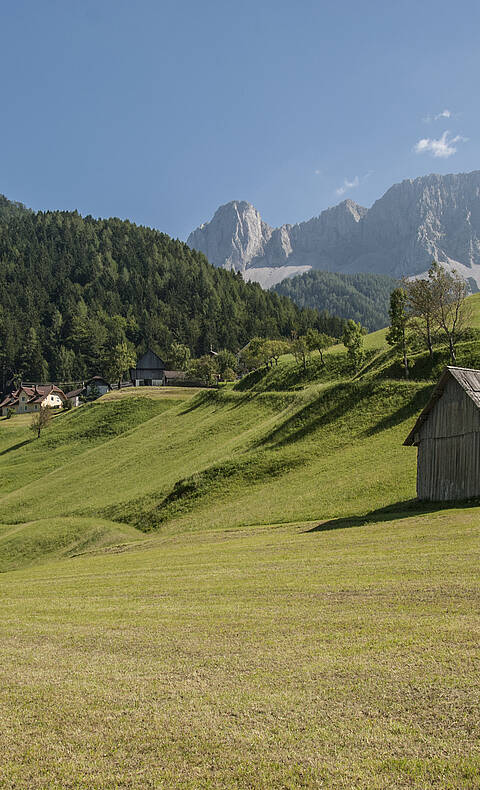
(29, 398)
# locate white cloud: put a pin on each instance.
(443, 114)
(439, 116)
(318, 172)
(347, 185)
(442, 148)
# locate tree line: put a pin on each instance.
(265, 352)
(81, 296)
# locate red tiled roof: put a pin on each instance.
(35, 394)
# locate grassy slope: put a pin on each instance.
(336, 649)
(256, 458)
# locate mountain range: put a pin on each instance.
(415, 221)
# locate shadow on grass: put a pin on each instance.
(208, 396)
(330, 406)
(399, 510)
(339, 402)
(413, 406)
(16, 446)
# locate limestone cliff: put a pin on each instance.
(419, 219)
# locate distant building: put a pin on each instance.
(91, 389)
(447, 435)
(97, 384)
(174, 377)
(29, 398)
(149, 370)
(75, 396)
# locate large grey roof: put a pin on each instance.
(469, 380)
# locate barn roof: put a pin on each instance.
(467, 378)
(149, 359)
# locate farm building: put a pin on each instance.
(149, 370)
(447, 435)
(75, 396)
(29, 398)
(97, 384)
(91, 389)
(174, 377)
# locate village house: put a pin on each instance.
(29, 398)
(447, 435)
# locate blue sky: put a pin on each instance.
(160, 111)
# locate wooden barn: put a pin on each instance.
(447, 435)
(149, 370)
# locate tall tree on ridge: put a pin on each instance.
(396, 335)
(452, 312)
(422, 306)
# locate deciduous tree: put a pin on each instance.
(179, 355)
(452, 313)
(226, 360)
(399, 317)
(352, 339)
(318, 341)
(40, 420)
(422, 308)
(118, 360)
(301, 350)
(203, 369)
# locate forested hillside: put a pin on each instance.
(72, 286)
(363, 297)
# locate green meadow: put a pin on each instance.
(236, 588)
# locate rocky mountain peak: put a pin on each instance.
(416, 220)
(234, 237)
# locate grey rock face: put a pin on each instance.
(234, 237)
(415, 221)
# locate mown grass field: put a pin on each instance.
(280, 657)
(236, 589)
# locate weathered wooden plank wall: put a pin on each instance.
(448, 462)
(449, 468)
